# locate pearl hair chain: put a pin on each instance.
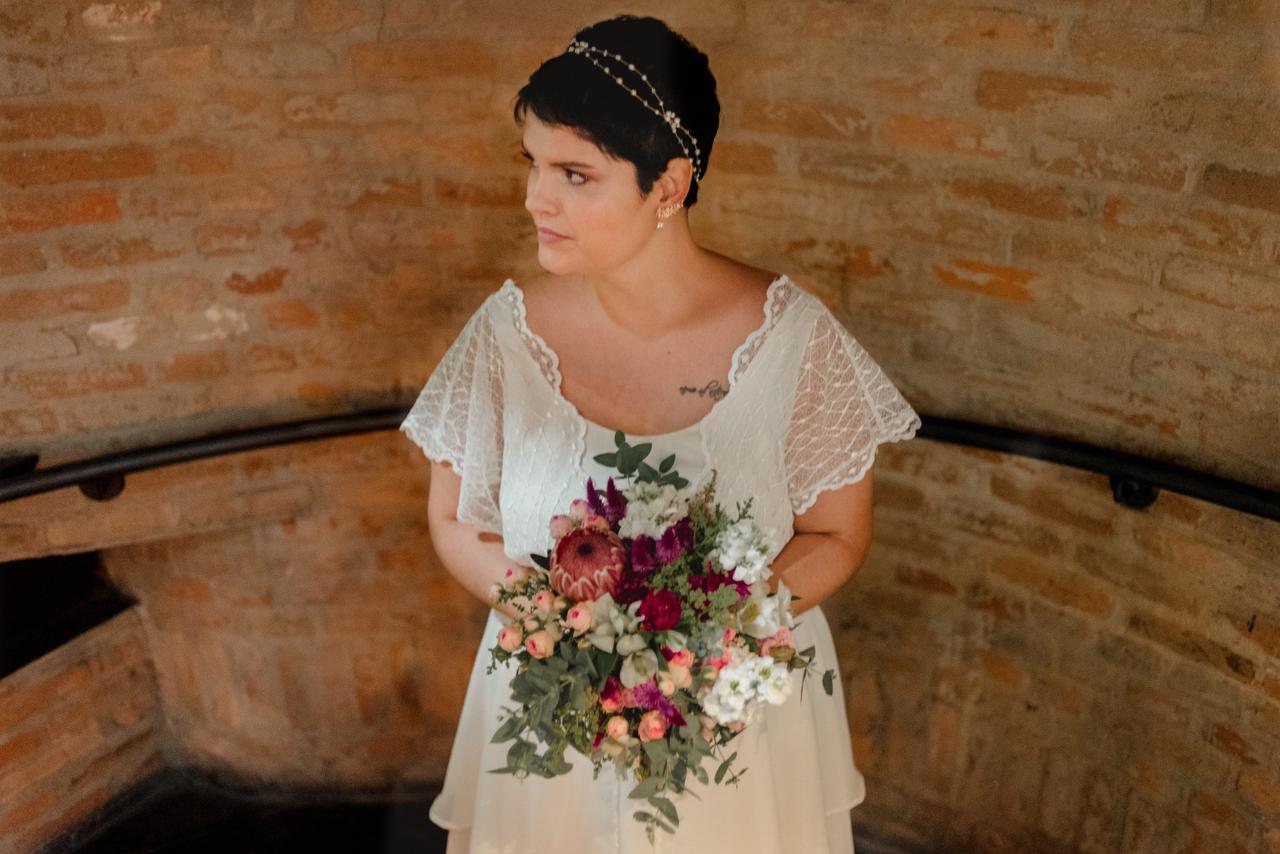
(585, 50)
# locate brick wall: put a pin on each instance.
(1063, 216)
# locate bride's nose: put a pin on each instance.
(537, 200)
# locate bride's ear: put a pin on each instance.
(673, 184)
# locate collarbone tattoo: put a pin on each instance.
(713, 389)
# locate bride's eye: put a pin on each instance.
(571, 173)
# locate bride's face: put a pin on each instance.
(575, 190)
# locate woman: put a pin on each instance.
(635, 327)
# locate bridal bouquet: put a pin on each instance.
(648, 636)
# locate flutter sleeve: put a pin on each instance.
(843, 408)
(457, 419)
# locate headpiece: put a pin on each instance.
(585, 50)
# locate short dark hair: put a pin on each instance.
(568, 91)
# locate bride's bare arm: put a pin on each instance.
(475, 558)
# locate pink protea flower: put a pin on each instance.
(587, 563)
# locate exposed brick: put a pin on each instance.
(232, 238)
(1192, 645)
(746, 158)
(815, 120)
(1013, 91)
(943, 134)
(39, 212)
(307, 235)
(20, 305)
(22, 75)
(200, 157)
(1042, 201)
(86, 253)
(17, 258)
(194, 367)
(48, 166)
(422, 60)
(286, 59)
(290, 314)
(97, 70)
(1242, 187)
(266, 282)
(22, 122)
(72, 382)
(1008, 283)
(1111, 161)
(175, 61)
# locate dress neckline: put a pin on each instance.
(550, 360)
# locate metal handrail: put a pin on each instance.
(1135, 480)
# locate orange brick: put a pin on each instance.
(422, 60)
(1042, 201)
(290, 314)
(16, 258)
(73, 382)
(87, 252)
(232, 238)
(24, 75)
(1003, 282)
(39, 212)
(266, 282)
(939, 133)
(55, 166)
(35, 304)
(200, 157)
(195, 367)
(1243, 187)
(1013, 91)
(19, 122)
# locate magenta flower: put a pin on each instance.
(660, 610)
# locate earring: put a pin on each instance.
(663, 213)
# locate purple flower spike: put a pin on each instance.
(617, 504)
(593, 500)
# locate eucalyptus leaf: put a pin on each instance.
(647, 787)
(609, 459)
(667, 808)
(619, 438)
(667, 463)
(828, 681)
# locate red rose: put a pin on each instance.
(660, 610)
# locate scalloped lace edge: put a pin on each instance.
(426, 442)
(905, 430)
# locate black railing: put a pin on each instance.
(1135, 480)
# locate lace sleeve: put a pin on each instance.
(457, 419)
(844, 407)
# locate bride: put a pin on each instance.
(636, 327)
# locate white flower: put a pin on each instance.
(762, 613)
(638, 667)
(652, 508)
(744, 685)
(745, 547)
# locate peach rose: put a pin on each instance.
(683, 658)
(782, 637)
(666, 684)
(617, 727)
(543, 599)
(579, 617)
(515, 574)
(561, 525)
(652, 726)
(682, 676)
(511, 637)
(539, 644)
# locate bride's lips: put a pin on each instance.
(546, 235)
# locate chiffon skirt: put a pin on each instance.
(798, 784)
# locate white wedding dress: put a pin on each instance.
(805, 410)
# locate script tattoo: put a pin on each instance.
(712, 389)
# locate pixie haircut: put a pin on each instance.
(568, 91)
